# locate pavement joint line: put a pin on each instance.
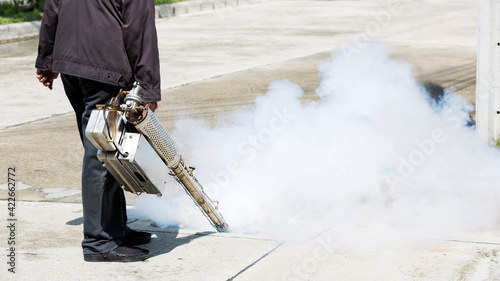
(316, 235)
(234, 235)
(255, 262)
(40, 160)
(455, 241)
(178, 86)
(288, 59)
(19, 39)
(410, 237)
(219, 235)
(37, 120)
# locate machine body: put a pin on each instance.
(141, 155)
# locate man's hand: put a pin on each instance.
(46, 77)
(153, 106)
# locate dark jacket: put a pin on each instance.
(110, 41)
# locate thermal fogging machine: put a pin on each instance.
(141, 155)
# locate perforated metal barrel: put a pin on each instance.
(168, 150)
(159, 139)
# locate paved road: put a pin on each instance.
(221, 61)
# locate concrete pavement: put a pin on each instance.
(220, 61)
(233, 39)
(49, 234)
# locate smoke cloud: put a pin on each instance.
(374, 152)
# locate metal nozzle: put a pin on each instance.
(133, 100)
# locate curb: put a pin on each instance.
(19, 31)
(195, 6)
(26, 30)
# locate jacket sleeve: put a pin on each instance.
(141, 43)
(47, 35)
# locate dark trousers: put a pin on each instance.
(104, 208)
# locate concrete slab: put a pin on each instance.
(205, 45)
(54, 253)
(48, 235)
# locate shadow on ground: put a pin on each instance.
(164, 242)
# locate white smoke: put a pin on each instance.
(373, 152)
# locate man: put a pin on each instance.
(99, 47)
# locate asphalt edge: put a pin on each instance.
(27, 30)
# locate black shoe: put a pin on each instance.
(136, 238)
(123, 253)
